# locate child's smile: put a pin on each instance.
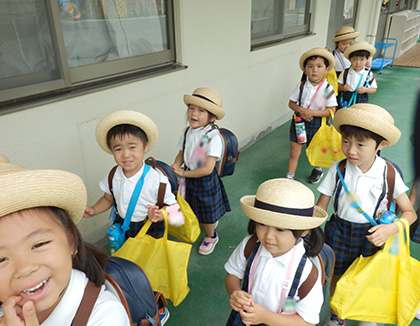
(198, 117)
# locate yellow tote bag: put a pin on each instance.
(190, 230)
(164, 261)
(331, 77)
(383, 288)
(325, 145)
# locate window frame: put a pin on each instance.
(86, 78)
(259, 40)
(351, 21)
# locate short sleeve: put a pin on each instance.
(237, 262)
(327, 185)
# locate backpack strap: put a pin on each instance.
(390, 178)
(345, 73)
(86, 305)
(252, 241)
(110, 177)
(161, 195)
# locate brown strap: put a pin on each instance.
(161, 194)
(252, 241)
(390, 178)
(346, 72)
(86, 305)
(308, 284)
(110, 177)
(120, 293)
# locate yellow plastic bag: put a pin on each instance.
(164, 261)
(325, 146)
(331, 77)
(190, 230)
(383, 288)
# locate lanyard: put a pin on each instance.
(313, 97)
(354, 95)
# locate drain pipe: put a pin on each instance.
(371, 36)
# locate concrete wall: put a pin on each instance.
(213, 40)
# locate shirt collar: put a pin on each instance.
(286, 258)
(119, 174)
(374, 171)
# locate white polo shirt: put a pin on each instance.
(366, 186)
(269, 276)
(341, 62)
(308, 92)
(123, 188)
(353, 78)
(194, 137)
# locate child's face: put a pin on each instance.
(315, 70)
(344, 45)
(276, 241)
(361, 153)
(35, 259)
(198, 117)
(128, 152)
(358, 63)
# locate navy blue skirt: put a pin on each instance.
(348, 240)
(346, 96)
(207, 197)
(311, 128)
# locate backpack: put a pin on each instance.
(128, 282)
(230, 151)
(323, 262)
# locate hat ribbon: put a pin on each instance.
(285, 210)
(204, 98)
(342, 34)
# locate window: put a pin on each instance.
(349, 12)
(58, 46)
(275, 20)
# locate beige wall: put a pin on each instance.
(214, 42)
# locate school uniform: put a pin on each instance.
(123, 188)
(269, 276)
(319, 103)
(341, 62)
(352, 80)
(206, 195)
(107, 311)
(345, 232)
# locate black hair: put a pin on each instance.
(360, 134)
(327, 64)
(88, 258)
(360, 53)
(314, 241)
(125, 130)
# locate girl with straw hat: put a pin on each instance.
(344, 37)
(273, 257)
(200, 147)
(44, 264)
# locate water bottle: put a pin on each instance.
(386, 217)
(182, 187)
(300, 130)
(116, 237)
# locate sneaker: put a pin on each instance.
(163, 315)
(366, 323)
(332, 322)
(315, 176)
(208, 244)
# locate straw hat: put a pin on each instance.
(284, 204)
(359, 45)
(23, 189)
(208, 99)
(126, 117)
(4, 159)
(345, 33)
(320, 52)
(370, 117)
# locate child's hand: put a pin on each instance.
(253, 315)
(307, 115)
(346, 88)
(89, 212)
(14, 315)
(361, 90)
(180, 172)
(240, 300)
(380, 233)
(154, 214)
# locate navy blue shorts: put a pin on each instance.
(348, 240)
(156, 229)
(346, 96)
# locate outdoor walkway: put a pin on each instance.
(208, 302)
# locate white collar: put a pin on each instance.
(119, 174)
(286, 258)
(374, 171)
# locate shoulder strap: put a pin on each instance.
(86, 305)
(185, 138)
(110, 177)
(309, 283)
(250, 245)
(161, 194)
(390, 178)
(345, 73)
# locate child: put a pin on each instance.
(343, 38)
(365, 129)
(44, 263)
(204, 189)
(128, 135)
(357, 78)
(310, 99)
(281, 214)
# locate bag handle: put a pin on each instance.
(148, 223)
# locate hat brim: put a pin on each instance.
(281, 220)
(202, 103)
(24, 189)
(358, 46)
(346, 36)
(320, 52)
(126, 117)
(367, 120)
